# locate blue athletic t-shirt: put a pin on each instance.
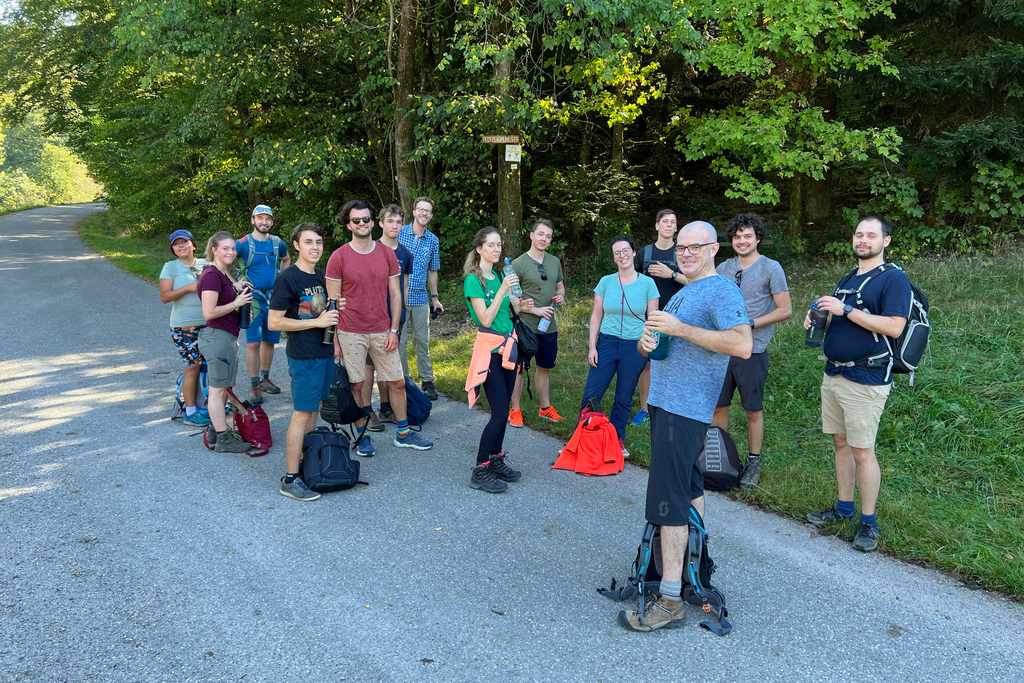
(261, 274)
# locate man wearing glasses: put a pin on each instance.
(426, 252)
(705, 324)
(766, 296)
(366, 275)
(543, 281)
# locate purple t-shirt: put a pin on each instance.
(212, 280)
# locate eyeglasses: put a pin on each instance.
(693, 248)
(543, 275)
(425, 212)
(362, 219)
(622, 252)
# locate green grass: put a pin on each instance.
(950, 449)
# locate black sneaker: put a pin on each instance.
(430, 391)
(827, 517)
(485, 480)
(751, 473)
(866, 539)
(502, 470)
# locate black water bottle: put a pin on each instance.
(816, 332)
(245, 312)
(329, 331)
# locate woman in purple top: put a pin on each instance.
(218, 341)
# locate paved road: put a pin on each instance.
(129, 553)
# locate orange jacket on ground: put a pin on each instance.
(593, 449)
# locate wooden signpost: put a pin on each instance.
(510, 198)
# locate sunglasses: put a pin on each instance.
(365, 220)
(262, 209)
(543, 275)
(739, 277)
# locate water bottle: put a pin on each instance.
(332, 305)
(245, 312)
(516, 290)
(660, 352)
(545, 323)
(816, 332)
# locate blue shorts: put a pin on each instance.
(547, 350)
(258, 330)
(311, 382)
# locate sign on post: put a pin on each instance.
(513, 153)
(499, 139)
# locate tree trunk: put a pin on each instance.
(386, 182)
(405, 139)
(811, 200)
(587, 144)
(510, 198)
(618, 134)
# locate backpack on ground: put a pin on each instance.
(593, 449)
(340, 407)
(202, 392)
(697, 588)
(906, 351)
(417, 404)
(719, 461)
(251, 424)
(326, 465)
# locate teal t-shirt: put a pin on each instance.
(625, 306)
(186, 311)
(472, 288)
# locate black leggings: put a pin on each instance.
(498, 388)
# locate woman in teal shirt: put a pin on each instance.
(622, 301)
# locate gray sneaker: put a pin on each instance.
(429, 390)
(413, 440)
(388, 416)
(229, 442)
(297, 490)
(827, 517)
(664, 612)
(866, 539)
(374, 423)
(365, 447)
(751, 473)
(255, 396)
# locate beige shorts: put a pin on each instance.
(355, 348)
(852, 409)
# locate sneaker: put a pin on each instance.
(827, 517)
(388, 416)
(622, 445)
(428, 389)
(268, 386)
(197, 419)
(641, 418)
(501, 469)
(515, 417)
(375, 425)
(751, 473)
(229, 442)
(413, 440)
(297, 490)
(549, 413)
(664, 612)
(256, 396)
(210, 436)
(485, 480)
(866, 539)
(365, 447)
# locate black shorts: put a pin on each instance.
(674, 478)
(547, 350)
(749, 376)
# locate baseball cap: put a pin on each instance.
(263, 208)
(182, 234)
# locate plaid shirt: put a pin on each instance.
(426, 255)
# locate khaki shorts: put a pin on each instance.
(354, 349)
(852, 409)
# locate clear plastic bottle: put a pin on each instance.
(545, 323)
(516, 290)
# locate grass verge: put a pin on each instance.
(136, 254)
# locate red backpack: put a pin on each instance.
(593, 449)
(251, 423)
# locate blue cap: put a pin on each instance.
(263, 208)
(182, 234)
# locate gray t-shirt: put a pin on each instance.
(690, 380)
(759, 284)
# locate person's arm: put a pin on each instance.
(279, 322)
(211, 311)
(435, 302)
(486, 314)
(560, 293)
(889, 325)
(735, 341)
(169, 294)
(783, 311)
(286, 260)
(596, 316)
(395, 297)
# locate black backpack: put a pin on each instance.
(326, 465)
(906, 350)
(340, 407)
(697, 588)
(719, 461)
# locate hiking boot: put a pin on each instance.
(256, 396)
(515, 417)
(388, 416)
(297, 490)
(501, 469)
(210, 436)
(229, 442)
(751, 473)
(642, 418)
(485, 480)
(827, 517)
(365, 447)
(550, 413)
(373, 423)
(866, 539)
(664, 612)
(268, 386)
(197, 419)
(428, 389)
(622, 445)
(413, 440)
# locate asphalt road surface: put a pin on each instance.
(130, 553)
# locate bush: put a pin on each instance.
(17, 191)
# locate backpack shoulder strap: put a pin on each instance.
(645, 258)
(275, 243)
(250, 252)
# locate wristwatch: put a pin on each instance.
(395, 331)
(846, 309)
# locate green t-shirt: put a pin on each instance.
(542, 291)
(625, 306)
(472, 289)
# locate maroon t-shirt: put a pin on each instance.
(364, 286)
(212, 280)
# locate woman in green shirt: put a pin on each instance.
(487, 295)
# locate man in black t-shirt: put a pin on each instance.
(299, 307)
